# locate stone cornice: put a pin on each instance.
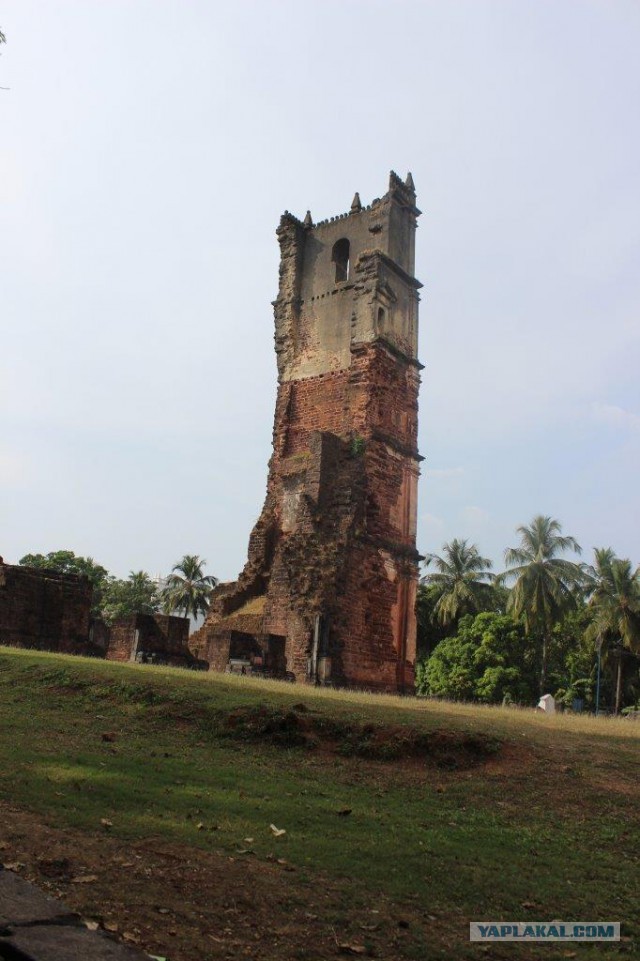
(382, 341)
(397, 445)
(391, 264)
(403, 551)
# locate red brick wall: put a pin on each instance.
(339, 518)
(316, 403)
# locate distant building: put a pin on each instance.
(160, 581)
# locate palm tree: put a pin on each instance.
(463, 580)
(545, 584)
(615, 607)
(188, 588)
(119, 598)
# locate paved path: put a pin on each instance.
(35, 927)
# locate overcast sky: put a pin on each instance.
(147, 150)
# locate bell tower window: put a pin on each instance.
(340, 257)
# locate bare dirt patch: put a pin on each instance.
(186, 904)
(299, 727)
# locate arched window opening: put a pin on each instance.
(381, 316)
(340, 257)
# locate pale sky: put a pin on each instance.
(147, 150)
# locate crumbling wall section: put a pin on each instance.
(44, 610)
(121, 636)
(160, 635)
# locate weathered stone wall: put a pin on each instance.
(332, 558)
(120, 640)
(157, 634)
(52, 612)
(44, 610)
(315, 403)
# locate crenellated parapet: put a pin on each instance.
(402, 192)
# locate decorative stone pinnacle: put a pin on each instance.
(308, 222)
(356, 206)
(409, 182)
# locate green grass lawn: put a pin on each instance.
(546, 827)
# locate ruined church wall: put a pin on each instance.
(316, 403)
(44, 610)
(120, 639)
(150, 633)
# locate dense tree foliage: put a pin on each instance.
(113, 598)
(615, 609)
(66, 562)
(489, 659)
(543, 635)
(138, 594)
(572, 660)
(546, 584)
(462, 578)
(430, 630)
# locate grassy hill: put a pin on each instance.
(146, 798)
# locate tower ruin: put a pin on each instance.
(328, 590)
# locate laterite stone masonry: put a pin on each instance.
(44, 609)
(328, 591)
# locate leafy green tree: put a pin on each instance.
(490, 660)
(449, 672)
(614, 606)
(504, 660)
(429, 630)
(571, 670)
(66, 562)
(136, 595)
(462, 581)
(188, 588)
(546, 585)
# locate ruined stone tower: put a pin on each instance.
(328, 591)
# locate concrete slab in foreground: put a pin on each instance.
(23, 903)
(35, 927)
